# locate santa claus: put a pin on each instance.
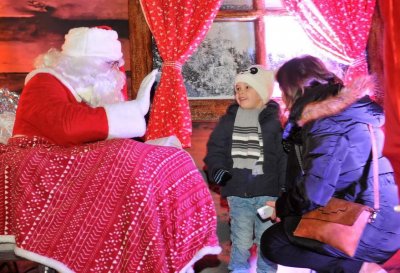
(76, 193)
(78, 92)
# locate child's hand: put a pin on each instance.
(222, 176)
(273, 216)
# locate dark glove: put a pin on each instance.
(291, 136)
(222, 176)
(287, 146)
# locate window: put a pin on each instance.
(244, 32)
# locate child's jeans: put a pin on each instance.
(246, 229)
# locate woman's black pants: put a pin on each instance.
(276, 246)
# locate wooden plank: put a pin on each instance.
(259, 28)
(244, 15)
(141, 59)
(208, 110)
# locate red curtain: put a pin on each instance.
(391, 18)
(340, 27)
(178, 27)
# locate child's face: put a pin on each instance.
(247, 97)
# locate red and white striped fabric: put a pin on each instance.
(110, 206)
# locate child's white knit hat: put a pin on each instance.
(261, 79)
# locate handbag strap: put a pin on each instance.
(375, 168)
(298, 155)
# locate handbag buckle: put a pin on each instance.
(373, 216)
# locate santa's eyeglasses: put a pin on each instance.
(113, 64)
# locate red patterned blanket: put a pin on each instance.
(110, 206)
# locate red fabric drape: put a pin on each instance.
(340, 27)
(178, 27)
(391, 18)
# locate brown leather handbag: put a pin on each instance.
(341, 223)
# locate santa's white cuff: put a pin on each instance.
(125, 120)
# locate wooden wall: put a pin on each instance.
(375, 53)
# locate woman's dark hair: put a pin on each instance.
(306, 74)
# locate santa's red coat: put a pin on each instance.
(49, 109)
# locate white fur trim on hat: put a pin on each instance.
(261, 79)
(92, 42)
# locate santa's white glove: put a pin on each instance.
(126, 119)
(143, 95)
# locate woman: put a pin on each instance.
(329, 122)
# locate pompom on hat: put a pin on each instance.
(261, 79)
(92, 42)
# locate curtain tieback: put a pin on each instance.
(174, 64)
(358, 61)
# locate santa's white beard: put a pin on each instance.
(95, 80)
(102, 89)
(99, 89)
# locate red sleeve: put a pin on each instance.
(48, 109)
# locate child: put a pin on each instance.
(245, 157)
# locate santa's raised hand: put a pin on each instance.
(126, 119)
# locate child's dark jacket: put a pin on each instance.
(243, 183)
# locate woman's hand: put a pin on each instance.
(274, 218)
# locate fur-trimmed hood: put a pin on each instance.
(351, 102)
